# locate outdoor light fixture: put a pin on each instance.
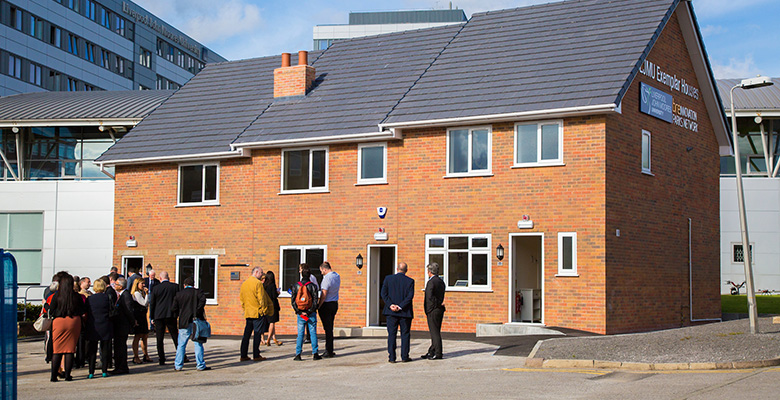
(500, 252)
(359, 261)
(15, 129)
(751, 83)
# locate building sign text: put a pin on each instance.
(160, 28)
(655, 102)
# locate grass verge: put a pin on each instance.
(738, 304)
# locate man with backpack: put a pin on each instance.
(304, 303)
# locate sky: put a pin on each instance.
(740, 36)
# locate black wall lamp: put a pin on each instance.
(500, 252)
(359, 261)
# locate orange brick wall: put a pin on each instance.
(293, 81)
(635, 282)
(253, 220)
(647, 266)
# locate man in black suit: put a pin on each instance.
(434, 310)
(151, 281)
(161, 311)
(123, 325)
(398, 292)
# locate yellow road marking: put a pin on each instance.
(607, 371)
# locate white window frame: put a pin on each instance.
(196, 274)
(444, 269)
(539, 162)
(214, 202)
(561, 270)
(303, 249)
(311, 150)
(649, 168)
(372, 181)
(124, 263)
(752, 253)
(470, 172)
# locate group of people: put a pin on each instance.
(260, 302)
(104, 317)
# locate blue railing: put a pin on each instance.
(8, 326)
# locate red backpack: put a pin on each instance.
(302, 299)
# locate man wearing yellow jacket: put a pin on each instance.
(257, 308)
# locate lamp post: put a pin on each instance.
(752, 83)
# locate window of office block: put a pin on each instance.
(21, 234)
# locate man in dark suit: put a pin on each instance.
(398, 292)
(189, 304)
(161, 311)
(151, 281)
(123, 325)
(434, 310)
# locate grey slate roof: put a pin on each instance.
(557, 55)
(361, 81)
(765, 98)
(130, 104)
(205, 115)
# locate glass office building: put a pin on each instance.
(83, 45)
(376, 23)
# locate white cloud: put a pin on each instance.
(735, 68)
(204, 22)
(232, 18)
(716, 8)
(712, 30)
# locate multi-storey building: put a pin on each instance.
(758, 124)
(81, 45)
(379, 22)
(560, 162)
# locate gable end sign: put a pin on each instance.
(655, 102)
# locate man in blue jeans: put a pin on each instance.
(189, 304)
(304, 302)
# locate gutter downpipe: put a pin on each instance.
(690, 278)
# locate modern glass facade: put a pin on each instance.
(51, 153)
(79, 45)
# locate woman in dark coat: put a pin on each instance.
(269, 284)
(99, 328)
(67, 308)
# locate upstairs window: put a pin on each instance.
(538, 144)
(646, 152)
(305, 170)
(372, 163)
(199, 184)
(468, 151)
(145, 58)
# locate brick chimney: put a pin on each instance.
(293, 81)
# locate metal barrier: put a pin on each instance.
(8, 315)
(26, 299)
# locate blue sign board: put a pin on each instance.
(655, 102)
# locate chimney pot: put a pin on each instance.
(303, 57)
(285, 60)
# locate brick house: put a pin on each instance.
(580, 138)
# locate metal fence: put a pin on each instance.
(8, 328)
